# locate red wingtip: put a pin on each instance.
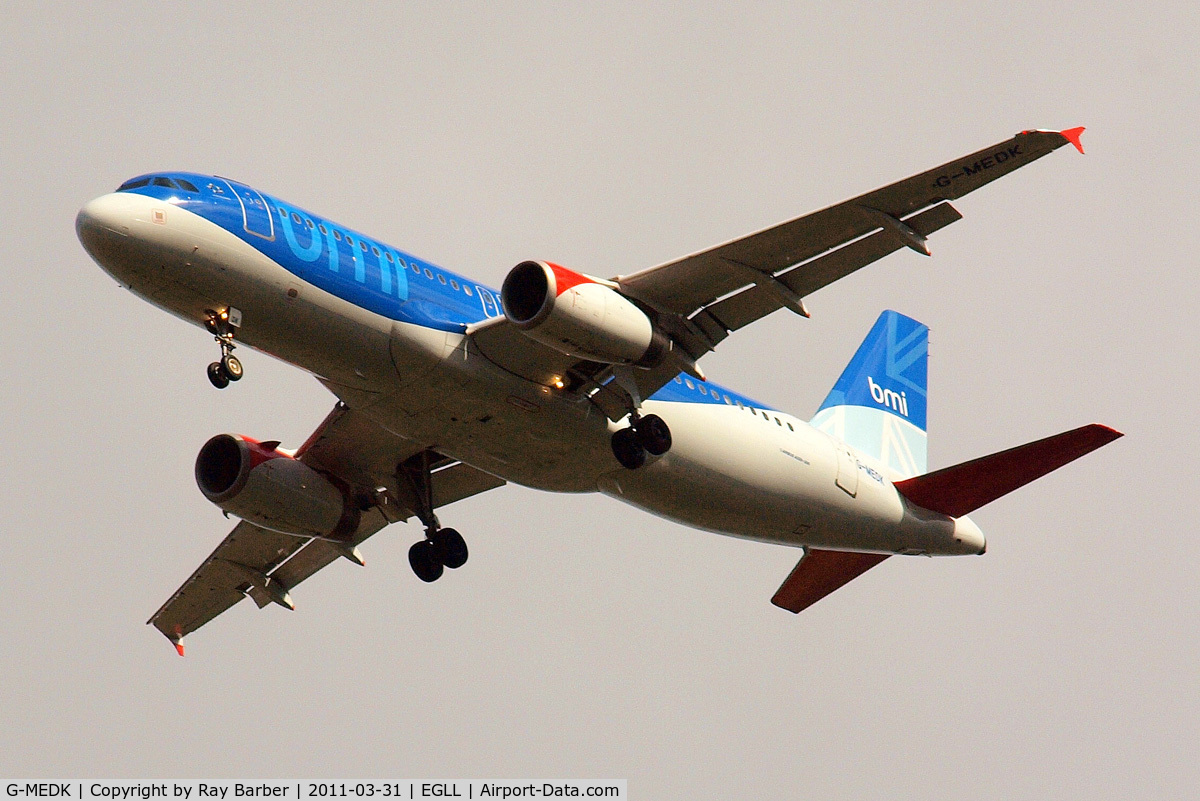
(1072, 135)
(179, 648)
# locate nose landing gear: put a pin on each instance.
(229, 368)
(647, 435)
(442, 547)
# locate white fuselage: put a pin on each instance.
(757, 474)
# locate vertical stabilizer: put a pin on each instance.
(878, 405)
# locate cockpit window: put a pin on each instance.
(159, 180)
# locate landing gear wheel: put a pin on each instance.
(424, 558)
(628, 449)
(451, 547)
(218, 376)
(233, 368)
(653, 433)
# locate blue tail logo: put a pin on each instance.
(878, 405)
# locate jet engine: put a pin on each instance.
(579, 315)
(268, 488)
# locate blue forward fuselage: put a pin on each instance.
(356, 268)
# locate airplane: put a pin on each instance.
(561, 381)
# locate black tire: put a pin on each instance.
(628, 449)
(423, 558)
(233, 367)
(451, 547)
(217, 375)
(654, 434)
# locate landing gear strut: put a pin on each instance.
(442, 547)
(228, 369)
(647, 435)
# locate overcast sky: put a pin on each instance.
(586, 639)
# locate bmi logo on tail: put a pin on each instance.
(886, 397)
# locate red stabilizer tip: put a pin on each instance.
(179, 648)
(1072, 135)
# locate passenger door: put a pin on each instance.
(256, 214)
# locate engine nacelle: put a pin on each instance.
(257, 483)
(579, 315)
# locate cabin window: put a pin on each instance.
(308, 223)
(321, 228)
(453, 284)
(728, 402)
(778, 422)
(689, 383)
(678, 380)
(362, 244)
(296, 218)
(389, 257)
(349, 240)
(337, 234)
(703, 391)
(429, 273)
(790, 427)
(467, 289)
(416, 268)
(136, 184)
(442, 279)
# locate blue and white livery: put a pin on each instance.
(559, 380)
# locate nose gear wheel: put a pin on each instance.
(218, 376)
(229, 368)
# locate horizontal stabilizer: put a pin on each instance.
(819, 573)
(959, 490)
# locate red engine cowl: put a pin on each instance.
(579, 315)
(257, 483)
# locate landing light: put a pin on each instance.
(557, 382)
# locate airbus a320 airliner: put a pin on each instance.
(560, 381)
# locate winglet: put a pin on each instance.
(178, 646)
(1072, 135)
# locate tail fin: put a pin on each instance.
(960, 490)
(878, 405)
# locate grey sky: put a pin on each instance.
(586, 639)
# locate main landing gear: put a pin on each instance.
(442, 547)
(646, 435)
(228, 368)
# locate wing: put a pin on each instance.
(703, 297)
(798, 257)
(265, 565)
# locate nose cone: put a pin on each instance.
(102, 223)
(103, 227)
(968, 536)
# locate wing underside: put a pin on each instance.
(266, 565)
